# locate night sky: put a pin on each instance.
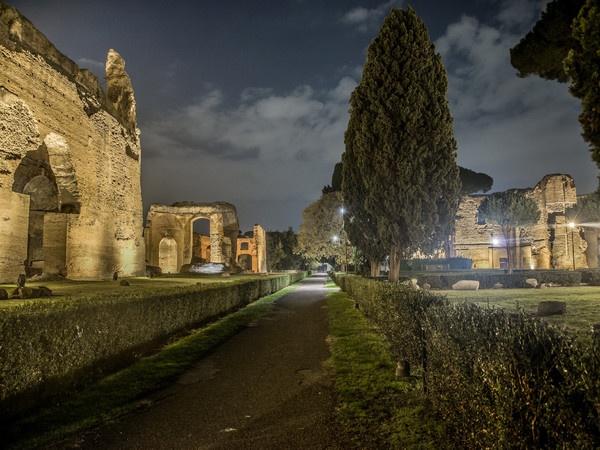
(247, 101)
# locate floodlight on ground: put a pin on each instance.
(572, 225)
(335, 238)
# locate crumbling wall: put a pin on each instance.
(176, 222)
(255, 249)
(57, 124)
(550, 244)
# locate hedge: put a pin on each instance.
(487, 280)
(498, 379)
(50, 347)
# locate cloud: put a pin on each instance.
(517, 130)
(90, 63)
(264, 148)
(364, 19)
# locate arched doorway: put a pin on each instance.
(167, 255)
(245, 261)
(201, 240)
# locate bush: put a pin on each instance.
(48, 347)
(498, 379)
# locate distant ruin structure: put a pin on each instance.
(169, 234)
(550, 244)
(252, 251)
(70, 195)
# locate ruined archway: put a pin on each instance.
(167, 255)
(219, 246)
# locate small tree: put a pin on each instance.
(510, 210)
(472, 182)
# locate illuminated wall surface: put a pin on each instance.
(169, 234)
(70, 196)
(549, 244)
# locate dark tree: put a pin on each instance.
(280, 251)
(472, 182)
(542, 51)
(583, 67)
(360, 225)
(400, 132)
(336, 181)
(510, 209)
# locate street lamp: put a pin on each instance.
(342, 211)
(572, 226)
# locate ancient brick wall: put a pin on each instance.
(550, 244)
(66, 143)
(255, 248)
(176, 222)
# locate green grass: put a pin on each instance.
(583, 303)
(74, 289)
(378, 409)
(128, 389)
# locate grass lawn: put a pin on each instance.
(378, 410)
(72, 288)
(583, 303)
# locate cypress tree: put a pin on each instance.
(400, 133)
(360, 226)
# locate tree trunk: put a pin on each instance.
(375, 266)
(394, 274)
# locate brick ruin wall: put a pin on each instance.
(69, 162)
(547, 245)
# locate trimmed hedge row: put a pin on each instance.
(49, 347)
(497, 379)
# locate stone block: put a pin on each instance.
(551, 307)
(466, 285)
(531, 282)
(498, 286)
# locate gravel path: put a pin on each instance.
(267, 387)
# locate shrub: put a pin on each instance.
(48, 347)
(498, 379)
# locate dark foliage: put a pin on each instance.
(498, 379)
(472, 181)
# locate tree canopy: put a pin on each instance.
(565, 45)
(542, 51)
(400, 132)
(583, 67)
(510, 209)
(336, 180)
(472, 181)
(321, 225)
(281, 253)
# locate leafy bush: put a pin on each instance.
(498, 379)
(48, 347)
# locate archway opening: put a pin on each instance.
(201, 241)
(34, 177)
(245, 261)
(167, 255)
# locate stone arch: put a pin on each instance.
(167, 255)
(59, 157)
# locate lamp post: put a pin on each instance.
(572, 226)
(342, 211)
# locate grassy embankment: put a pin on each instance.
(378, 409)
(75, 288)
(583, 303)
(129, 389)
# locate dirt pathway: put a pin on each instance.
(267, 387)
